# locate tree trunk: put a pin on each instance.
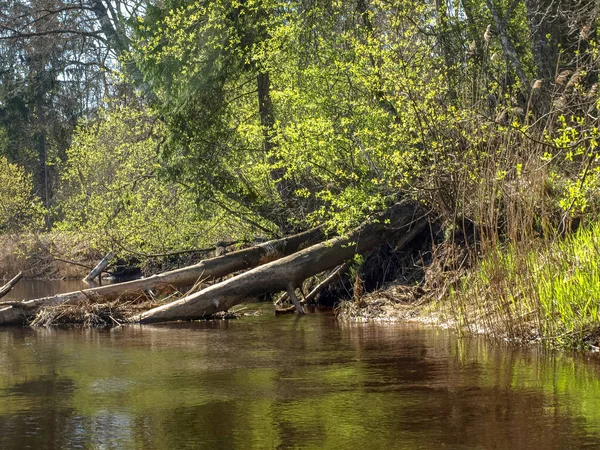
(8, 286)
(96, 271)
(15, 312)
(119, 42)
(444, 44)
(507, 45)
(285, 187)
(291, 271)
(362, 8)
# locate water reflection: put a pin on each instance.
(266, 382)
(29, 289)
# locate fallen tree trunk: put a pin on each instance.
(209, 269)
(8, 286)
(288, 273)
(96, 271)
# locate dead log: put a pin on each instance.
(403, 219)
(8, 286)
(208, 269)
(96, 271)
(291, 290)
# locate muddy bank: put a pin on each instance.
(440, 307)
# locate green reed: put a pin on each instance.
(546, 292)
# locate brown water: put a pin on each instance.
(287, 382)
(28, 289)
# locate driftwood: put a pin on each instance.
(208, 269)
(96, 271)
(8, 286)
(403, 219)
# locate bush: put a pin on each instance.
(114, 188)
(20, 209)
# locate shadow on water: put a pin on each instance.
(279, 382)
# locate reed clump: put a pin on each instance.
(532, 292)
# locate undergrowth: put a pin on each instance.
(535, 292)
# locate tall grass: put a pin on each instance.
(538, 291)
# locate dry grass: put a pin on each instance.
(107, 315)
(393, 303)
(47, 255)
(86, 314)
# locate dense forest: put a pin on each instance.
(160, 126)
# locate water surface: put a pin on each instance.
(29, 289)
(289, 382)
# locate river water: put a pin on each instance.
(264, 382)
(28, 289)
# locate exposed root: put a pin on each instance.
(400, 302)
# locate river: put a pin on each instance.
(265, 382)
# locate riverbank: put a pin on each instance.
(47, 256)
(536, 293)
(545, 293)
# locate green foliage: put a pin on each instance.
(357, 99)
(537, 292)
(369, 101)
(113, 189)
(198, 56)
(20, 209)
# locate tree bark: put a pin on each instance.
(289, 272)
(8, 286)
(96, 271)
(209, 269)
(507, 45)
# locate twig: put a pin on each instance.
(338, 271)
